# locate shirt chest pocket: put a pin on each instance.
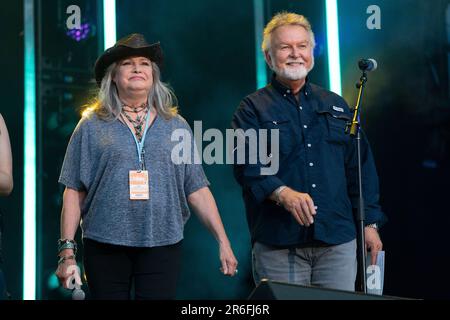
(285, 140)
(336, 126)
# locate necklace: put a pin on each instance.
(138, 123)
(135, 109)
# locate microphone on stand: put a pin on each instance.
(366, 65)
(353, 128)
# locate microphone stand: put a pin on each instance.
(353, 129)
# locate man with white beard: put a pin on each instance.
(301, 218)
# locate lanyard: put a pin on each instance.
(140, 145)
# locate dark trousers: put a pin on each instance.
(111, 270)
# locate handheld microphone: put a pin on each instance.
(78, 294)
(367, 64)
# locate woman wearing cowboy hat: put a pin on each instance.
(121, 182)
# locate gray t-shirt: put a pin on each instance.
(98, 159)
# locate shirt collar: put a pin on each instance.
(306, 89)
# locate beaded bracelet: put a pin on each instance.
(67, 244)
(64, 258)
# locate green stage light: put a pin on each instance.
(258, 13)
(29, 154)
(334, 60)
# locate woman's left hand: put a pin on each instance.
(228, 260)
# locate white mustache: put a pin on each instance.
(300, 62)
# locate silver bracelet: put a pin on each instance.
(67, 244)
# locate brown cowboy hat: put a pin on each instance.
(131, 45)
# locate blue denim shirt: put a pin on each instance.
(316, 156)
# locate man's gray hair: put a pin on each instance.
(284, 19)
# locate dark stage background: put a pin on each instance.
(210, 62)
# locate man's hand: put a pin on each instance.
(373, 242)
(300, 205)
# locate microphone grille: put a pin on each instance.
(78, 294)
